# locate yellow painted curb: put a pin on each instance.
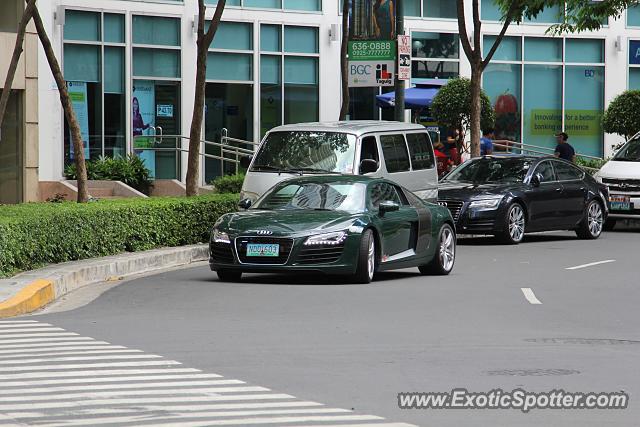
(30, 298)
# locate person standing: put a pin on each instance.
(384, 19)
(564, 150)
(486, 143)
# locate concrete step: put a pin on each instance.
(101, 192)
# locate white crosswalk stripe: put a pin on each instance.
(52, 377)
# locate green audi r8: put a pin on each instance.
(334, 224)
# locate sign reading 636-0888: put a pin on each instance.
(374, 50)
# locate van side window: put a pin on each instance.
(369, 149)
(420, 150)
(395, 153)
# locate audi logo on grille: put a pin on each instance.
(264, 232)
(443, 204)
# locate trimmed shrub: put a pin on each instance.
(229, 183)
(451, 106)
(622, 116)
(129, 170)
(36, 234)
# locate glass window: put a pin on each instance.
(113, 28)
(81, 25)
(567, 172)
(634, 78)
(395, 153)
(584, 50)
(584, 104)
(434, 70)
(501, 82)
(11, 13)
(300, 103)
(156, 62)
(411, 7)
(549, 15)
(546, 170)
(362, 103)
(440, 9)
(301, 70)
(300, 39)
(270, 38)
(541, 49)
(311, 5)
(510, 48)
(114, 102)
(11, 148)
(229, 66)
(270, 92)
(383, 192)
(542, 109)
(633, 16)
(435, 45)
(82, 63)
(489, 11)
(265, 4)
(113, 69)
(228, 2)
(154, 30)
(420, 151)
(233, 35)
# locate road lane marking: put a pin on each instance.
(92, 387)
(110, 379)
(96, 373)
(78, 359)
(46, 345)
(19, 354)
(3, 343)
(530, 296)
(46, 368)
(30, 329)
(591, 264)
(4, 337)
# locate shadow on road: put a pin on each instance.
(313, 279)
(529, 238)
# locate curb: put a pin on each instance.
(38, 288)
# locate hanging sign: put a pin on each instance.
(404, 57)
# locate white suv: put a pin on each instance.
(622, 175)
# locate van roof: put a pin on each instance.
(356, 127)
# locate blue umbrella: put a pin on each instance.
(415, 98)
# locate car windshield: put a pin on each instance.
(630, 152)
(491, 170)
(329, 196)
(320, 152)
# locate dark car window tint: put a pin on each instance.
(491, 170)
(402, 197)
(369, 149)
(395, 153)
(383, 192)
(420, 151)
(546, 170)
(567, 172)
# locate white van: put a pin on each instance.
(621, 175)
(398, 151)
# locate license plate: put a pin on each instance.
(261, 249)
(620, 203)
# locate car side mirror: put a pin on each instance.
(245, 161)
(368, 166)
(536, 179)
(244, 204)
(388, 206)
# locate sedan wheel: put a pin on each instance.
(366, 258)
(445, 256)
(591, 225)
(514, 225)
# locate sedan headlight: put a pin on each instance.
(220, 237)
(326, 239)
(487, 204)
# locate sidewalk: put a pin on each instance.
(32, 290)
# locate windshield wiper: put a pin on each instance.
(307, 169)
(276, 169)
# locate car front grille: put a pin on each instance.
(624, 185)
(454, 206)
(324, 254)
(283, 255)
(221, 252)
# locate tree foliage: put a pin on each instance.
(623, 114)
(452, 106)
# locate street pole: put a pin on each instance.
(399, 84)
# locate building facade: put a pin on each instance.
(131, 72)
(19, 132)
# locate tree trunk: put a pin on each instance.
(344, 61)
(15, 58)
(203, 42)
(74, 127)
(476, 109)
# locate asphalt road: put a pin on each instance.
(356, 346)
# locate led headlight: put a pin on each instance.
(326, 239)
(220, 237)
(485, 203)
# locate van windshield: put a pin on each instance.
(630, 152)
(306, 151)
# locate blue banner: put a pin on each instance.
(634, 52)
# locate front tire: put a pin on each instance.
(366, 259)
(229, 275)
(592, 224)
(514, 225)
(445, 256)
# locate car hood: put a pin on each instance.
(292, 222)
(466, 191)
(620, 170)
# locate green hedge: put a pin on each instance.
(36, 234)
(229, 183)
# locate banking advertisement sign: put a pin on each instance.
(634, 52)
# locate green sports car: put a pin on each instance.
(334, 224)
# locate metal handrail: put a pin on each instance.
(536, 149)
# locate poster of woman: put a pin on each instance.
(372, 20)
(142, 122)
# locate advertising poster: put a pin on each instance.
(143, 117)
(372, 20)
(78, 94)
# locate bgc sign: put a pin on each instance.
(371, 73)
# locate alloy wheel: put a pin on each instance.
(594, 218)
(447, 249)
(516, 223)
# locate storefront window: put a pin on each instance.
(634, 64)
(11, 13)
(11, 148)
(434, 55)
(440, 9)
(307, 5)
(300, 89)
(541, 49)
(489, 11)
(502, 84)
(542, 107)
(633, 16)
